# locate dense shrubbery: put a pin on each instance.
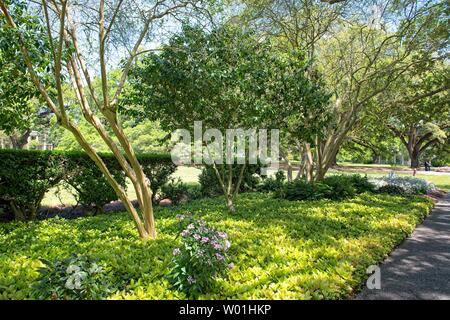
(25, 177)
(270, 184)
(210, 185)
(280, 249)
(408, 185)
(202, 257)
(334, 187)
(90, 187)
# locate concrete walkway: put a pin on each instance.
(420, 267)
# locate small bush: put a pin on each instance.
(75, 278)
(361, 183)
(90, 187)
(303, 190)
(410, 185)
(175, 190)
(272, 184)
(25, 177)
(201, 258)
(158, 167)
(392, 189)
(341, 187)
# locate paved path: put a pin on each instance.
(420, 267)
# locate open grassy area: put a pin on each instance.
(280, 249)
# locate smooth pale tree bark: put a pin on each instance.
(229, 188)
(75, 67)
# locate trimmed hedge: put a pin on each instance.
(25, 177)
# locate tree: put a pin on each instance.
(104, 25)
(227, 79)
(360, 54)
(417, 109)
(21, 106)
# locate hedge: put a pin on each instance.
(26, 175)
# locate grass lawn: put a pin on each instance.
(280, 249)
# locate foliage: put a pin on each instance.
(75, 278)
(392, 189)
(272, 184)
(90, 187)
(210, 186)
(25, 177)
(201, 258)
(361, 183)
(334, 187)
(341, 186)
(227, 78)
(157, 167)
(281, 249)
(175, 190)
(300, 189)
(20, 101)
(410, 185)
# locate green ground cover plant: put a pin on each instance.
(280, 249)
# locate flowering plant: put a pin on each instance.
(78, 277)
(409, 185)
(201, 258)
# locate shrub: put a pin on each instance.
(201, 258)
(175, 190)
(410, 185)
(302, 190)
(25, 177)
(90, 187)
(361, 183)
(158, 167)
(272, 184)
(78, 277)
(341, 187)
(210, 185)
(392, 189)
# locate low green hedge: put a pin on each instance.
(334, 187)
(280, 249)
(26, 175)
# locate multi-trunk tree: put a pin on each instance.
(227, 79)
(112, 30)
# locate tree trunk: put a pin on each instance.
(414, 156)
(20, 142)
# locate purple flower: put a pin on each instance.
(230, 266)
(191, 280)
(184, 233)
(196, 237)
(190, 227)
(222, 234)
(217, 246)
(205, 239)
(176, 251)
(220, 257)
